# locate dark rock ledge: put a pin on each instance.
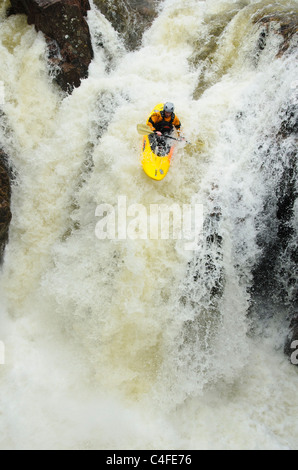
(67, 33)
(5, 194)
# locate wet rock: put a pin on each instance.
(275, 275)
(67, 33)
(130, 18)
(205, 55)
(5, 194)
(286, 25)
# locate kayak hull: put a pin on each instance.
(155, 166)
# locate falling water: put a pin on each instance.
(139, 343)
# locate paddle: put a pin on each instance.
(143, 129)
(173, 138)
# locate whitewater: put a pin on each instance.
(140, 344)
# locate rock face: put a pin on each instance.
(67, 33)
(276, 274)
(64, 25)
(5, 194)
(130, 18)
(287, 26)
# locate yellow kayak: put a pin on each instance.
(156, 156)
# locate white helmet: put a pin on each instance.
(169, 108)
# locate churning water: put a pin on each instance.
(141, 344)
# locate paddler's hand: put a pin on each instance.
(158, 133)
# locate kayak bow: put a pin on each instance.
(156, 156)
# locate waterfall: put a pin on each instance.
(139, 343)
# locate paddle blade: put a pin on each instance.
(143, 129)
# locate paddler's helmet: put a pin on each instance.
(169, 108)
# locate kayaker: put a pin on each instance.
(164, 122)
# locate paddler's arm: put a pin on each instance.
(152, 120)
